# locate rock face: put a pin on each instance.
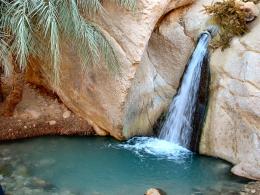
(151, 64)
(153, 46)
(232, 128)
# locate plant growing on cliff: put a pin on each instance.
(231, 19)
(37, 28)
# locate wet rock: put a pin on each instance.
(21, 170)
(251, 188)
(247, 169)
(6, 158)
(155, 191)
(231, 130)
(38, 183)
(5, 169)
(45, 162)
(67, 192)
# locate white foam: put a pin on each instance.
(156, 147)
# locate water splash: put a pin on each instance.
(178, 125)
(160, 149)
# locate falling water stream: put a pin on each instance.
(177, 127)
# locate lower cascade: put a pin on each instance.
(178, 126)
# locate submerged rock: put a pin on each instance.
(21, 170)
(37, 183)
(6, 169)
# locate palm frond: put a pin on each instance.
(37, 27)
(5, 58)
(129, 4)
(92, 45)
(17, 20)
(98, 47)
(49, 23)
(90, 7)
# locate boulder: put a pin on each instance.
(147, 80)
(231, 130)
(232, 125)
(233, 122)
(155, 191)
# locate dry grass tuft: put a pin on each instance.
(231, 19)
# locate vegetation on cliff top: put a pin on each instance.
(231, 19)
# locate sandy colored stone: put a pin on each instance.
(102, 98)
(247, 169)
(33, 113)
(153, 191)
(232, 128)
(52, 122)
(158, 75)
(250, 8)
(233, 122)
(66, 114)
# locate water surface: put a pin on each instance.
(103, 166)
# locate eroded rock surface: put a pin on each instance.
(232, 128)
(153, 49)
(150, 72)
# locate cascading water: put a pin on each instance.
(178, 127)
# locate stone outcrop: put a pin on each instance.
(151, 66)
(40, 113)
(158, 75)
(232, 128)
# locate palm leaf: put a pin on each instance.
(5, 57)
(37, 27)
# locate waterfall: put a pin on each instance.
(177, 127)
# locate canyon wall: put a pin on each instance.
(126, 104)
(153, 46)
